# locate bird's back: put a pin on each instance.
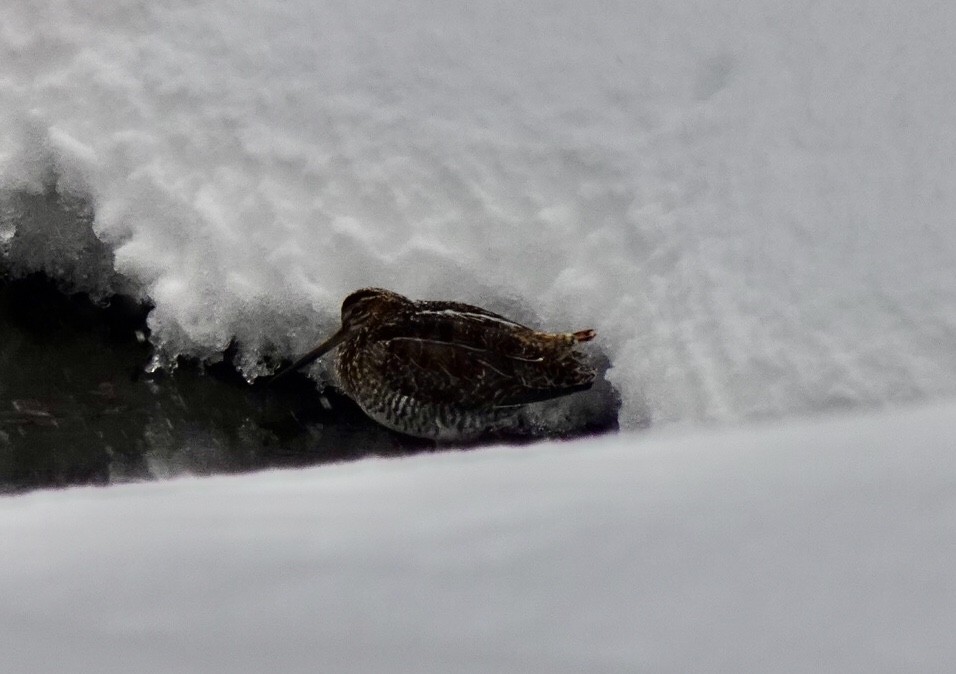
(448, 353)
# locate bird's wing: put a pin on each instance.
(467, 373)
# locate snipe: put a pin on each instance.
(445, 370)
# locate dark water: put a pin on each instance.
(76, 406)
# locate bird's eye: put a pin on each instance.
(355, 317)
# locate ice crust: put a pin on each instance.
(751, 202)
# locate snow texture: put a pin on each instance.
(750, 201)
(807, 547)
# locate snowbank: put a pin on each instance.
(822, 546)
(751, 202)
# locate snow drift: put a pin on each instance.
(751, 202)
(802, 547)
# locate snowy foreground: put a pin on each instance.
(809, 546)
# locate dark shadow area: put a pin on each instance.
(76, 406)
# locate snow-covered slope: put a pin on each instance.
(803, 547)
(751, 201)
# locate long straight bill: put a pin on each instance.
(314, 354)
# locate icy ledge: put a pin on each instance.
(809, 546)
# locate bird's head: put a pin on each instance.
(360, 309)
(368, 305)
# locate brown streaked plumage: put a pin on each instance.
(446, 370)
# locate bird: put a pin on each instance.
(446, 371)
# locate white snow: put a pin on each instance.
(752, 202)
(822, 546)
